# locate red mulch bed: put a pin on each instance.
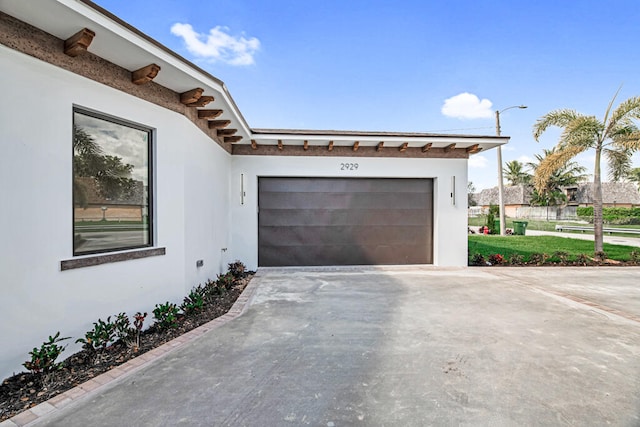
(26, 390)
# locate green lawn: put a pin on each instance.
(527, 245)
(548, 225)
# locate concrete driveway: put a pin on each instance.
(400, 347)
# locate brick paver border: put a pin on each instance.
(98, 383)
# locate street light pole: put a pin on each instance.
(500, 178)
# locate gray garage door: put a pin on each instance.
(335, 221)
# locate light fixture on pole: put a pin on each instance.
(500, 184)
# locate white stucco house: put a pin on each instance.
(129, 175)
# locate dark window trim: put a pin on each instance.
(150, 191)
(90, 261)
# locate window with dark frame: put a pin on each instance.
(112, 189)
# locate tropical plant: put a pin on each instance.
(166, 315)
(614, 136)
(515, 174)
(43, 359)
(100, 337)
(564, 175)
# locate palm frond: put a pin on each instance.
(559, 118)
(552, 162)
(619, 162)
(628, 138)
(626, 112)
(583, 131)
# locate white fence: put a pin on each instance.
(547, 212)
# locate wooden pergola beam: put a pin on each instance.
(426, 147)
(306, 145)
(280, 145)
(330, 147)
(356, 145)
(226, 132)
(79, 42)
(254, 144)
(208, 114)
(403, 147)
(191, 96)
(473, 148)
(201, 102)
(145, 74)
(449, 147)
(219, 124)
(232, 138)
(380, 145)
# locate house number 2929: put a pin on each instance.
(348, 166)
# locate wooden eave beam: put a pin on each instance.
(232, 138)
(306, 145)
(254, 144)
(201, 102)
(79, 42)
(426, 147)
(356, 145)
(208, 114)
(191, 96)
(226, 132)
(403, 147)
(145, 74)
(330, 147)
(380, 145)
(280, 145)
(473, 149)
(219, 124)
(449, 147)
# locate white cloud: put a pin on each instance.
(467, 106)
(478, 162)
(218, 45)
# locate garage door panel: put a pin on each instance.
(355, 217)
(334, 221)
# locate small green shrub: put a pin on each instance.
(166, 315)
(225, 280)
(237, 269)
(516, 259)
(496, 259)
(43, 359)
(478, 259)
(138, 322)
(634, 257)
(194, 301)
(583, 259)
(100, 337)
(563, 256)
(123, 329)
(538, 258)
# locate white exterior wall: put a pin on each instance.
(191, 210)
(450, 231)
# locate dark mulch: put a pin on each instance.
(25, 390)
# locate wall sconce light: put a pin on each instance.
(242, 193)
(453, 190)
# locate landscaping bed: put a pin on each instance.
(26, 390)
(545, 250)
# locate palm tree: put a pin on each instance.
(515, 174)
(565, 175)
(615, 135)
(634, 176)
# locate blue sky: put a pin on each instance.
(391, 65)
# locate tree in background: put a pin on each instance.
(112, 177)
(634, 176)
(515, 174)
(615, 136)
(565, 174)
(470, 190)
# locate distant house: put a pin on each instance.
(515, 197)
(614, 194)
(518, 197)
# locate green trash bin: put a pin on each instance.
(520, 228)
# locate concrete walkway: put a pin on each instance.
(399, 347)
